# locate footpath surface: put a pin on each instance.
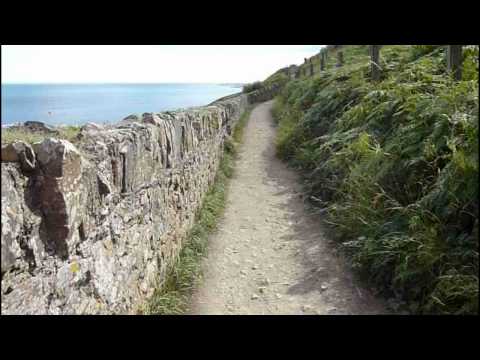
(270, 255)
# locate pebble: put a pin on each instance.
(243, 272)
(265, 281)
(278, 296)
(262, 289)
(254, 297)
(307, 309)
(324, 287)
(254, 267)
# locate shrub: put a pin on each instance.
(248, 88)
(395, 166)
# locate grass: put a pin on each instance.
(395, 166)
(10, 135)
(173, 297)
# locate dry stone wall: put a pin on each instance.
(264, 94)
(93, 228)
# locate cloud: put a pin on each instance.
(147, 63)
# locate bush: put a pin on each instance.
(252, 87)
(395, 165)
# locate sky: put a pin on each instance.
(148, 63)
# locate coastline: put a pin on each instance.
(106, 104)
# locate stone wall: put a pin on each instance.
(92, 228)
(264, 94)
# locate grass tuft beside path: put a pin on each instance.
(174, 296)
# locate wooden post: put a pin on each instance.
(454, 61)
(339, 58)
(375, 62)
(322, 60)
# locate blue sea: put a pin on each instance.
(76, 104)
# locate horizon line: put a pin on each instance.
(108, 83)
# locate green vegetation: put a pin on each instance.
(174, 295)
(10, 135)
(248, 88)
(395, 166)
(277, 78)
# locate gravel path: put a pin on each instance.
(269, 255)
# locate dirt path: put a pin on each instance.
(269, 255)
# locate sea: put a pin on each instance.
(77, 104)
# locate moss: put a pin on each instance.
(74, 267)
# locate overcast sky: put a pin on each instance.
(147, 63)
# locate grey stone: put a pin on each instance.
(132, 117)
(40, 127)
(9, 153)
(21, 152)
(95, 226)
(92, 127)
(309, 310)
(150, 118)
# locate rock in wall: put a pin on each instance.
(94, 228)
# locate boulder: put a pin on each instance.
(58, 192)
(9, 154)
(151, 118)
(21, 152)
(92, 127)
(57, 158)
(37, 126)
(132, 117)
(12, 219)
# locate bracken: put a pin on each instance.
(395, 164)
